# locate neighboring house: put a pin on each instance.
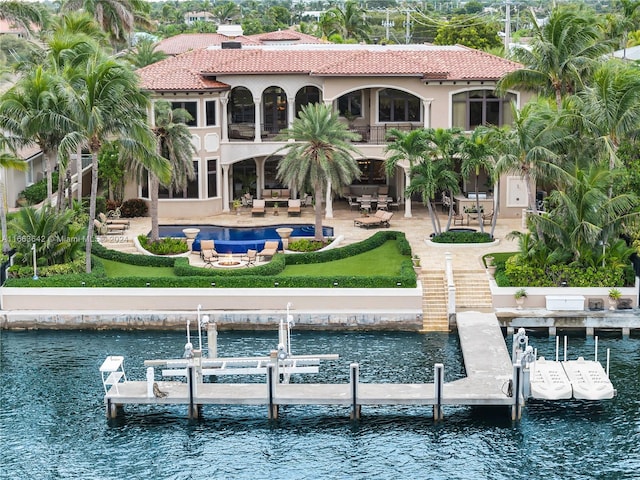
(242, 98)
(192, 17)
(9, 28)
(231, 33)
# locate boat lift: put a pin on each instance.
(207, 363)
(560, 380)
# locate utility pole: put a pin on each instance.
(386, 24)
(407, 34)
(507, 27)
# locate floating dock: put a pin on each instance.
(491, 380)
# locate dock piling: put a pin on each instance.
(271, 388)
(354, 369)
(516, 409)
(194, 410)
(438, 382)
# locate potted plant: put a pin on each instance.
(416, 263)
(614, 296)
(237, 203)
(520, 295)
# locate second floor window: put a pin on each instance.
(481, 107)
(397, 106)
(191, 107)
(350, 104)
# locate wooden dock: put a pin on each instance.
(486, 358)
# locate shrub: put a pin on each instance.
(134, 207)
(37, 192)
(305, 245)
(101, 204)
(164, 246)
(462, 237)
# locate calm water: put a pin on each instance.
(53, 424)
(240, 239)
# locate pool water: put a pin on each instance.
(240, 239)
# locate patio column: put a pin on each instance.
(407, 200)
(224, 116)
(257, 130)
(328, 213)
(291, 112)
(426, 105)
(225, 188)
(259, 177)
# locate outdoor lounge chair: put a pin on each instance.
(208, 252)
(105, 219)
(294, 207)
(380, 219)
(458, 218)
(270, 248)
(258, 207)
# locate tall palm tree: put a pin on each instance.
(322, 154)
(562, 55)
(477, 155)
(108, 104)
(35, 110)
(174, 144)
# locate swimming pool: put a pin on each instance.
(240, 239)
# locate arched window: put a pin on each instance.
(397, 106)
(274, 108)
(305, 96)
(481, 107)
(241, 106)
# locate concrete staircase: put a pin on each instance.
(472, 291)
(119, 243)
(434, 301)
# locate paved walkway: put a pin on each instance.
(417, 229)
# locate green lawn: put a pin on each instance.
(117, 269)
(384, 260)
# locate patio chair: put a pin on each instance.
(258, 207)
(270, 248)
(208, 251)
(352, 203)
(458, 218)
(487, 217)
(307, 201)
(383, 203)
(105, 219)
(250, 257)
(365, 204)
(294, 207)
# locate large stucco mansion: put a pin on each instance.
(243, 92)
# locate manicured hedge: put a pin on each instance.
(462, 237)
(263, 276)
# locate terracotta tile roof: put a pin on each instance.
(194, 41)
(285, 35)
(427, 62)
(181, 73)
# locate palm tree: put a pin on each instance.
(145, 53)
(562, 56)
(350, 22)
(24, 14)
(35, 110)
(530, 148)
(610, 107)
(429, 177)
(321, 154)
(477, 155)
(583, 218)
(109, 104)
(174, 144)
(116, 17)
